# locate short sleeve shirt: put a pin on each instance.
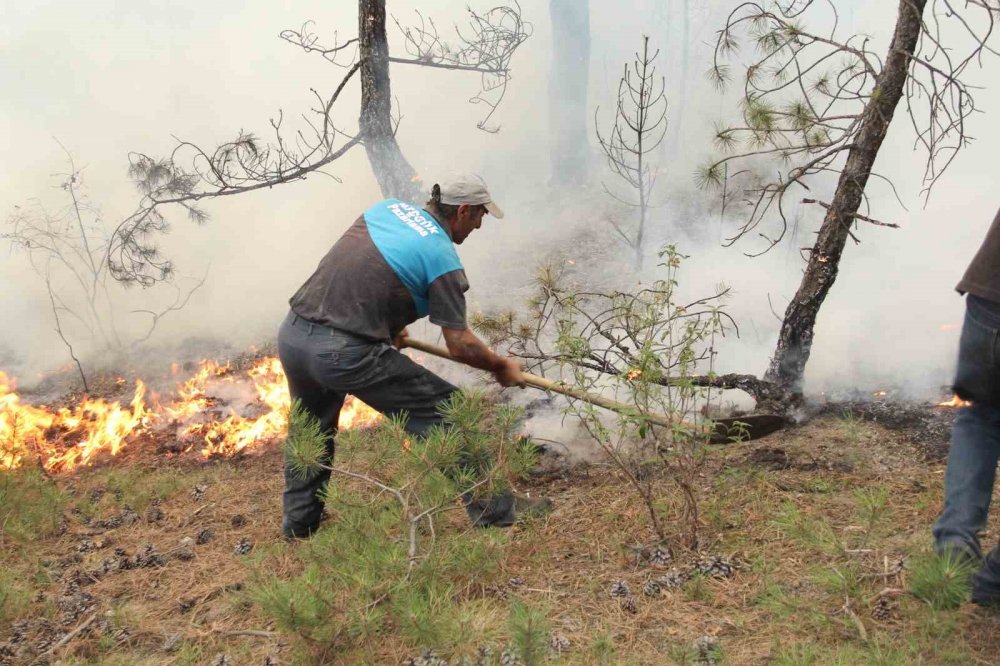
(394, 265)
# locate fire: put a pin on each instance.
(218, 411)
(66, 438)
(955, 402)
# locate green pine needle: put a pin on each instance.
(943, 581)
(306, 445)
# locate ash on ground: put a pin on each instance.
(926, 424)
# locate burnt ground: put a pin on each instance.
(151, 557)
(924, 424)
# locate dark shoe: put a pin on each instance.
(986, 581)
(292, 532)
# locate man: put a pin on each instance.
(395, 264)
(975, 437)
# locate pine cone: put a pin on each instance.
(706, 647)
(884, 609)
(651, 588)
(559, 643)
(222, 659)
(661, 557)
(243, 547)
(629, 605)
(715, 566)
(204, 536)
(198, 492)
(509, 658)
(428, 658)
(671, 580)
(620, 589)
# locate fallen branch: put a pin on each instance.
(249, 632)
(42, 658)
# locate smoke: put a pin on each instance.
(106, 79)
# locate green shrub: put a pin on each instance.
(385, 560)
(529, 631)
(943, 581)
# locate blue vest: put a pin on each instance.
(414, 245)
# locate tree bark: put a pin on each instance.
(796, 337)
(396, 178)
(568, 80)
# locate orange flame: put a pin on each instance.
(65, 438)
(955, 402)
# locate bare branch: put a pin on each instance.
(486, 45)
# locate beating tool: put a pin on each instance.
(750, 426)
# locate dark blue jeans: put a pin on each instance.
(322, 365)
(975, 440)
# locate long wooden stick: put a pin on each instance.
(549, 385)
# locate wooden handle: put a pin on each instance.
(549, 385)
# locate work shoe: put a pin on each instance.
(986, 581)
(292, 531)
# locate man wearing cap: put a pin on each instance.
(395, 264)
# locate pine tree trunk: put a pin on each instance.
(568, 80)
(395, 176)
(796, 337)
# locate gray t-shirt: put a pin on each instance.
(354, 289)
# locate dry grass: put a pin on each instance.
(791, 508)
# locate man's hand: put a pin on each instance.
(400, 340)
(511, 374)
(465, 347)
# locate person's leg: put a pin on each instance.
(407, 387)
(975, 439)
(972, 463)
(302, 499)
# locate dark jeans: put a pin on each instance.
(975, 440)
(322, 365)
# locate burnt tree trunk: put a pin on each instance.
(396, 178)
(568, 80)
(796, 337)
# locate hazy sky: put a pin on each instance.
(107, 77)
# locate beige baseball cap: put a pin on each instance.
(468, 188)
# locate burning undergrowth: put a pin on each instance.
(209, 408)
(926, 424)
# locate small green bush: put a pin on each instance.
(943, 581)
(529, 631)
(386, 560)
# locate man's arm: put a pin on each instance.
(466, 347)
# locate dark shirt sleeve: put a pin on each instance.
(446, 300)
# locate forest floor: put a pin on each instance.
(811, 540)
